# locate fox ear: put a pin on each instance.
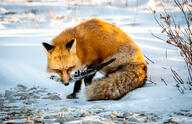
(47, 46)
(71, 46)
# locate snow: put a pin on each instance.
(23, 59)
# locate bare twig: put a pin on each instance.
(163, 81)
(150, 80)
(134, 21)
(180, 37)
(178, 78)
(180, 90)
(164, 68)
(149, 59)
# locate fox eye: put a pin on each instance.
(59, 71)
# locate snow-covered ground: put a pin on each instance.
(28, 95)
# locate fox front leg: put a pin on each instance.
(89, 79)
(76, 90)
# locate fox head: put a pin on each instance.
(62, 59)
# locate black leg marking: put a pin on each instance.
(76, 90)
(88, 80)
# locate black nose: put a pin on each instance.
(66, 84)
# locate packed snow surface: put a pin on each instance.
(24, 25)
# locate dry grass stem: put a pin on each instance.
(149, 59)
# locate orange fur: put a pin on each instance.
(97, 42)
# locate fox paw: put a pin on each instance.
(72, 96)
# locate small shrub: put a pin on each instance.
(180, 37)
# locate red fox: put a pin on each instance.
(93, 42)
